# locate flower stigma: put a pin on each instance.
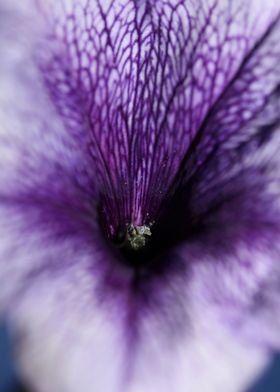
(136, 237)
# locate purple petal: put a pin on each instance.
(109, 109)
(135, 83)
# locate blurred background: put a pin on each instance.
(269, 382)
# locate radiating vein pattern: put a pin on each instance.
(135, 81)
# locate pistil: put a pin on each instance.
(137, 236)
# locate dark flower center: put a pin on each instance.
(146, 247)
(135, 237)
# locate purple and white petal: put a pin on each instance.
(117, 113)
(74, 345)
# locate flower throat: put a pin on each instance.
(136, 237)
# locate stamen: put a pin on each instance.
(137, 236)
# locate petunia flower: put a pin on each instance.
(140, 192)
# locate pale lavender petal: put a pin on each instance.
(129, 112)
(88, 351)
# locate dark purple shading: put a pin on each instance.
(132, 106)
(150, 151)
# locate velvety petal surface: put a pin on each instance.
(135, 81)
(88, 349)
(122, 112)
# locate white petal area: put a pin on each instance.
(69, 342)
(209, 360)
(65, 342)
